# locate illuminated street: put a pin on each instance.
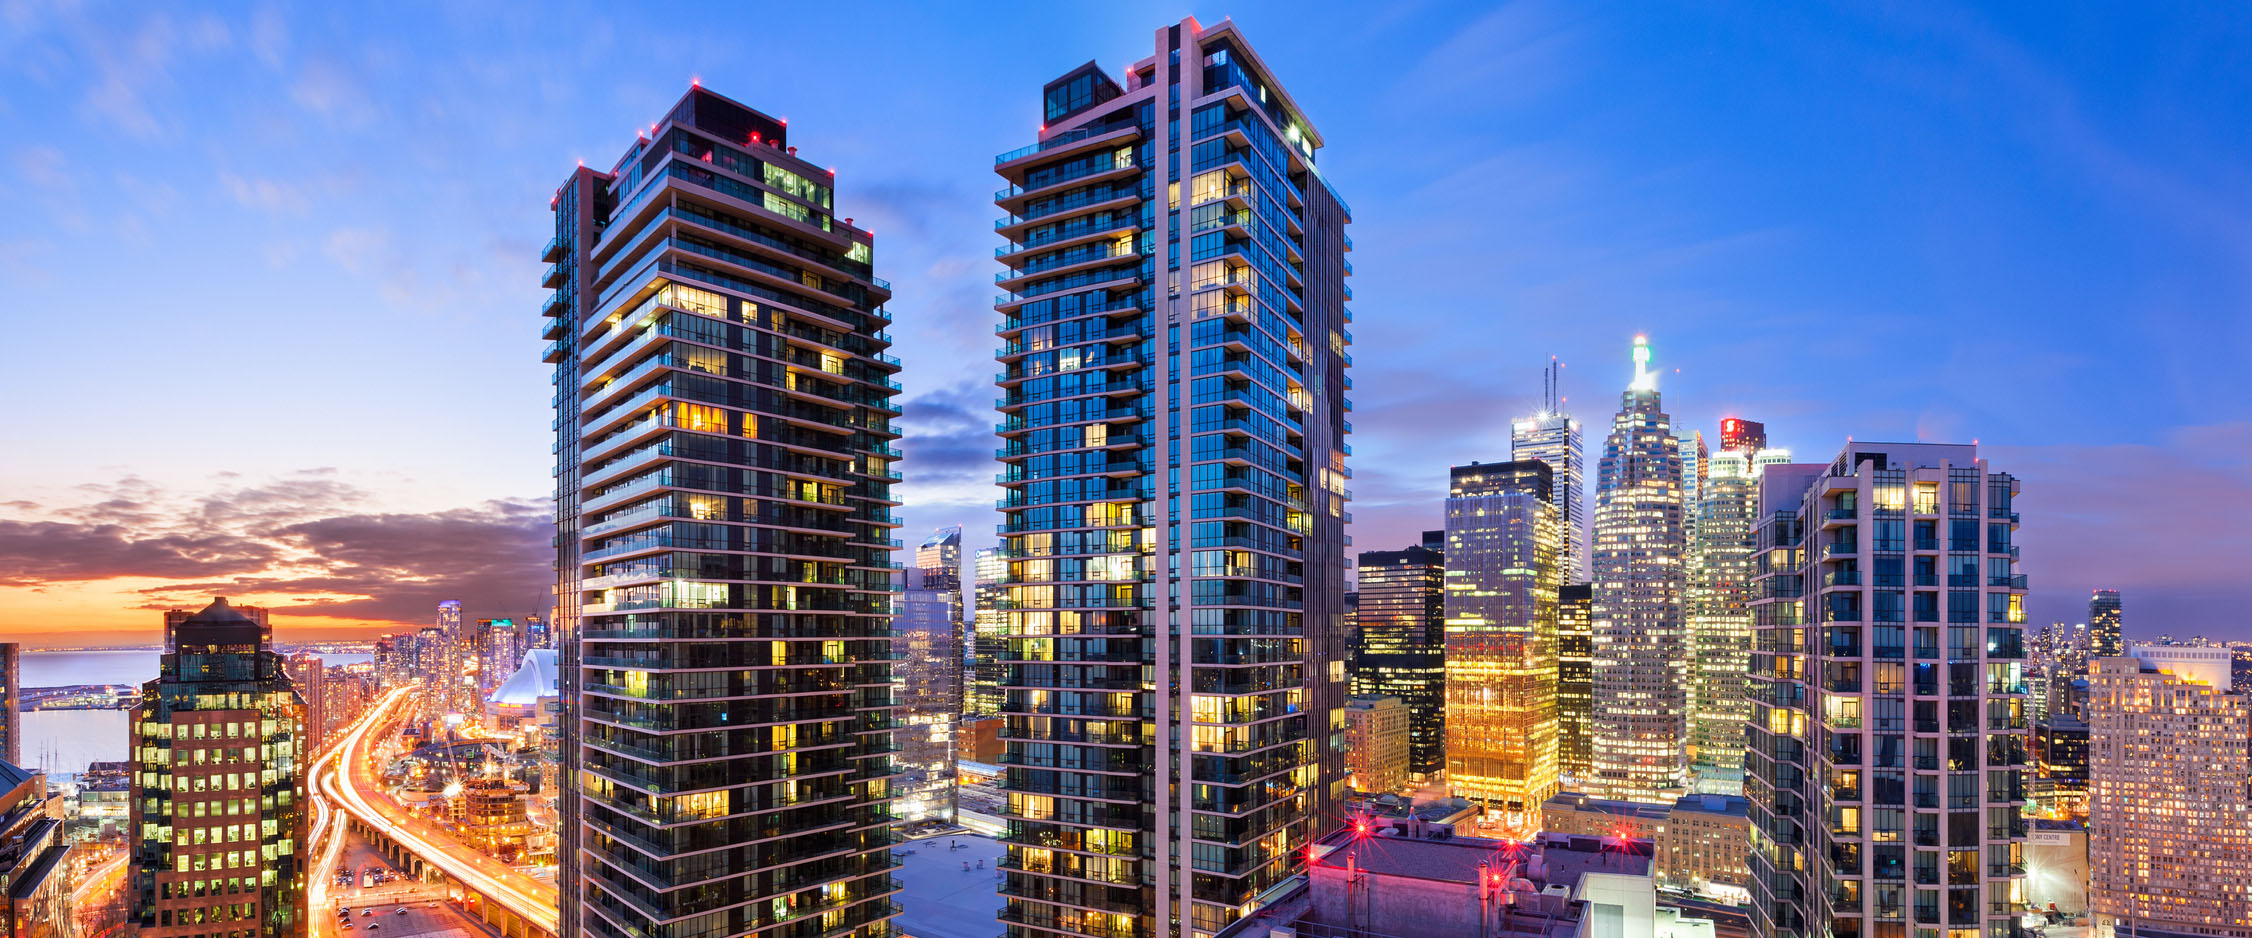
(348, 779)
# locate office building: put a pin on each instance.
(33, 876)
(11, 703)
(1575, 680)
(2060, 768)
(1172, 407)
(1502, 579)
(219, 816)
(927, 639)
(2169, 821)
(451, 689)
(1399, 645)
(1885, 756)
(1640, 647)
(1719, 595)
(1719, 605)
(1376, 744)
(2105, 633)
(1554, 437)
(983, 699)
(724, 519)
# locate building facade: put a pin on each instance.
(33, 847)
(1173, 398)
(2169, 821)
(1641, 659)
(11, 703)
(2106, 632)
(309, 675)
(724, 520)
(983, 698)
(927, 639)
(1575, 680)
(219, 816)
(1886, 748)
(1502, 577)
(1376, 744)
(1554, 437)
(1399, 617)
(1719, 605)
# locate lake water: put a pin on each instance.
(63, 741)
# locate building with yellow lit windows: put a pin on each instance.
(1640, 648)
(1503, 569)
(1885, 749)
(218, 790)
(2169, 823)
(1172, 396)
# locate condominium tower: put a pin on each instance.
(724, 532)
(1401, 652)
(1885, 754)
(2105, 636)
(1641, 660)
(219, 819)
(1553, 437)
(1172, 403)
(2169, 821)
(11, 703)
(1501, 582)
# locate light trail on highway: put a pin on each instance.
(354, 778)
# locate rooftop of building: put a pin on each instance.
(218, 624)
(1439, 856)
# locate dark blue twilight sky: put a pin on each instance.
(269, 273)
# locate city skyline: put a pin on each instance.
(380, 504)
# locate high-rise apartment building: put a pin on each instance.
(983, 698)
(1885, 756)
(1376, 744)
(11, 703)
(1400, 649)
(724, 525)
(218, 795)
(450, 690)
(927, 639)
(1554, 437)
(1502, 577)
(1575, 680)
(2169, 821)
(2105, 636)
(1640, 649)
(34, 876)
(1173, 399)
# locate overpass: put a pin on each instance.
(347, 796)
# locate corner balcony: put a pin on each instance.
(1063, 144)
(1104, 170)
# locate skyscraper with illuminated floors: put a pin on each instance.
(1501, 594)
(724, 524)
(218, 790)
(1172, 404)
(1640, 650)
(1553, 437)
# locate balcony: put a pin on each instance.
(1084, 138)
(1094, 171)
(554, 249)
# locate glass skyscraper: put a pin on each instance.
(1553, 437)
(1173, 400)
(1400, 615)
(724, 538)
(2105, 636)
(1501, 595)
(1641, 660)
(983, 698)
(1719, 604)
(1575, 680)
(928, 642)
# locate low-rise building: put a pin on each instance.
(2056, 868)
(1376, 743)
(1701, 843)
(32, 850)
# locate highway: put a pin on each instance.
(347, 777)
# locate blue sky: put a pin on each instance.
(270, 273)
